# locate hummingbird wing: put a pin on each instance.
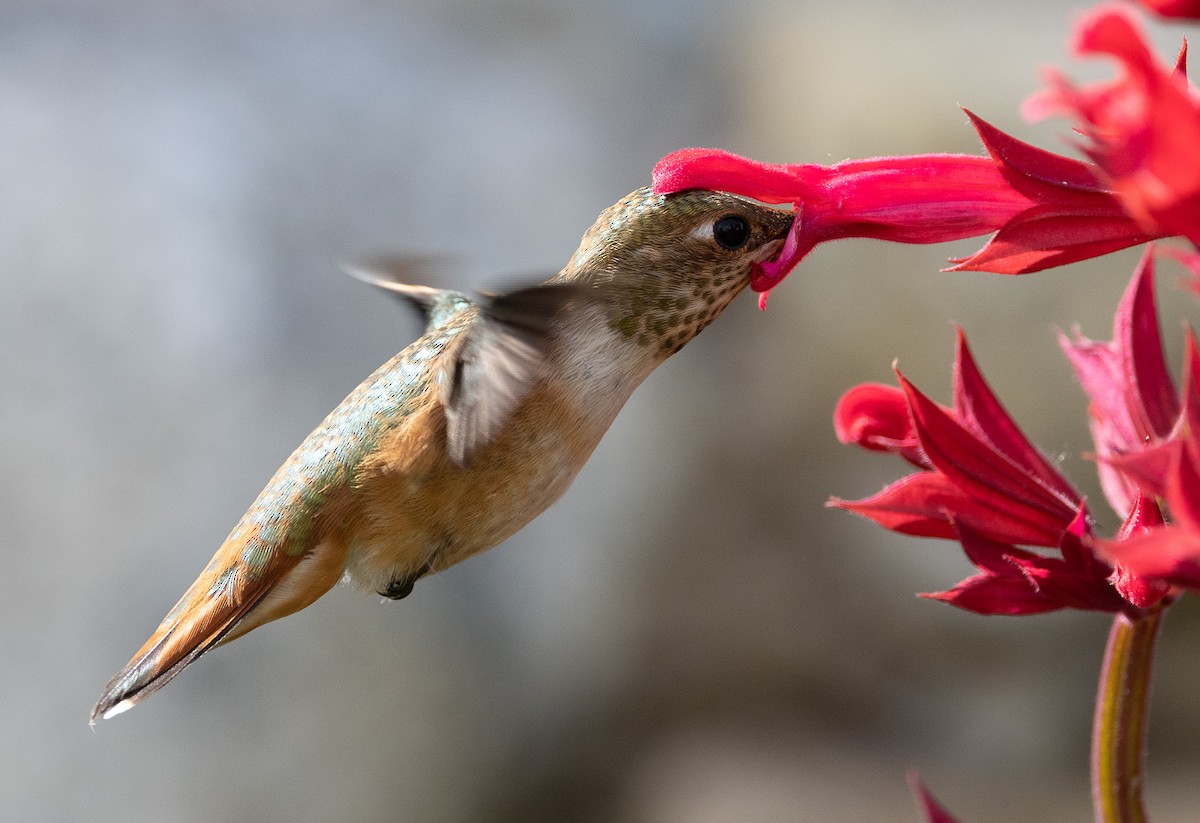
(395, 273)
(502, 356)
(498, 363)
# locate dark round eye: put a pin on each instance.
(731, 231)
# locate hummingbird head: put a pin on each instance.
(667, 265)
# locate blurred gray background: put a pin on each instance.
(689, 636)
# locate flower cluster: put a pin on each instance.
(1141, 130)
(982, 482)
(977, 478)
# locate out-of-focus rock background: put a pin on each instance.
(689, 635)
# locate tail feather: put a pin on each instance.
(231, 597)
(198, 622)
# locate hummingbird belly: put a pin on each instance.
(421, 513)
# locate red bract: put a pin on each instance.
(1047, 210)
(1134, 405)
(1143, 129)
(1141, 591)
(1014, 581)
(979, 471)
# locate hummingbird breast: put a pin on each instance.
(420, 512)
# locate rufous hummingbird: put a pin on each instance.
(473, 430)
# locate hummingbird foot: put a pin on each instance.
(401, 587)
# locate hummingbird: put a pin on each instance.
(473, 430)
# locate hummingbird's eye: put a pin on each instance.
(731, 231)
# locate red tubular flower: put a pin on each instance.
(979, 471)
(1143, 129)
(1134, 405)
(983, 483)
(1047, 210)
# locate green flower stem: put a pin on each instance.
(1119, 728)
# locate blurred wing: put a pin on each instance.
(395, 273)
(502, 358)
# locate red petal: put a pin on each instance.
(992, 595)
(1134, 404)
(980, 410)
(1075, 554)
(915, 504)
(1137, 473)
(1190, 416)
(1098, 368)
(986, 554)
(1076, 217)
(1144, 516)
(1146, 548)
(1043, 237)
(1032, 170)
(987, 476)
(1111, 29)
(922, 504)
(1135, 325)
(876, 417)
(1145, 126)
(1140, 592)
(924, 198)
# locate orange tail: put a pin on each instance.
(226, 601)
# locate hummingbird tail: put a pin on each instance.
(195, 625)
(229, 599)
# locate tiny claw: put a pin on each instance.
(401, 587)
